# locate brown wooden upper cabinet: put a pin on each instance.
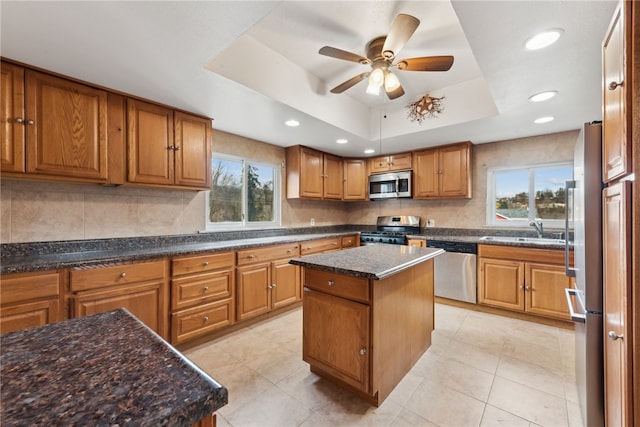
(443, 172)
(616, 72)
(167, 147)
(393, 162)
(312, 174)
(355, 179)
(52, 126)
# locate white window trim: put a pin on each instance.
(245, 224)
(491, 197)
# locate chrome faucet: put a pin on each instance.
(538, 226)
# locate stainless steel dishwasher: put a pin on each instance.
(455, 270)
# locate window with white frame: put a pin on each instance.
(244, 193)
(518, 195)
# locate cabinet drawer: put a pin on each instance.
(197, 289)
(354, 288)
(320, 245)
(21, 287)
(350, 241)
(94, 278)
(268, 253)
(194, 322)
(547, 256)
(201, 263)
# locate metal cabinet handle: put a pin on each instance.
(176, 148)
(205, 318)
(206, 263)
(206, 288)
(170, 147)
(613, 336)
(19, 120)
(331, 282)
(615, 85)
(289, 251)
(363, 351)
(123, 274)
(251, 256)
(30, 122)
(274, 286)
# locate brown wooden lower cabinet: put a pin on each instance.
(30, 299)
(523, 279)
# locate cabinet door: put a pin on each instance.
(192, 150)
(615, 145)
(286, 281)
(454, 171)
(28, 315)
(426, 174)
(149, 143)
(68, 136)
(400, 161)
(355, 180)
(379, 164)
(333, 182)
(311, 171)
(253, 291)
(617, 305)
(12, 116)
(417, 242)
(336, 337)
(501, 283)
(545, 295)
(142, 300)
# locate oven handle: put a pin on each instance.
(397, 185)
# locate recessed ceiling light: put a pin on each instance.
(546, 119)
(342, 141)
(543, 39)
(292, 123)
(543, 96)
(369, 151)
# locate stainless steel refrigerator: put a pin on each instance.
(584, 215)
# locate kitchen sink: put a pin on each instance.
(528, 240)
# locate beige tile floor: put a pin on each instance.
(481, 370)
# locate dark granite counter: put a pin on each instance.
(102, 370)
(42, 257)
(372, 261)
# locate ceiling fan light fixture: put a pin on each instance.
(391, 82)
(376, 79)
(543, 39)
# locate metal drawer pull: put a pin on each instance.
(123, 274)
(613, 336)
(206, 288)
(205, 263)
(30, 122)
(251, 256)
(206, 318)
(19, 120)
(331, 282)
(363, 351)
(614, 85)
(274, 286)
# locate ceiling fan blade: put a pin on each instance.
(342, 54)
(402, 29)
(396, 93)
(426, 63)
(351, 82)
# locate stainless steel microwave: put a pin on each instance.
(390, 185)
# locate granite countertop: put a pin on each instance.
(103, 370)
(371, 261)
(41, 259)
(494, 239)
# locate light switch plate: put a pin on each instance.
(431, 223)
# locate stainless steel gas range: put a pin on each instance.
(391, 230)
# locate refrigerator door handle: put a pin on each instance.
(569, 187)
(576, 317)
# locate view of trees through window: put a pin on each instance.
(540, 188)
(241, 191)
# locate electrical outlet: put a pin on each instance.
(431, 223)
(313, 222)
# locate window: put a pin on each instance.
(243, 194)
(517, 196)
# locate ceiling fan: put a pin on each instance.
(381, 53)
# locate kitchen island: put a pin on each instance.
(105, 369)
(367, 315)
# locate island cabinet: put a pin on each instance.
(355, 179)
(313, 174)
(367, 334)
(167, 147)
(443, 172)
(141, 288)
(393, 162)
(52, 127)
(202, 295)
(30, 299)
(527, 280)
(265, 280)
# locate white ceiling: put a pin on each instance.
(253, 65)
